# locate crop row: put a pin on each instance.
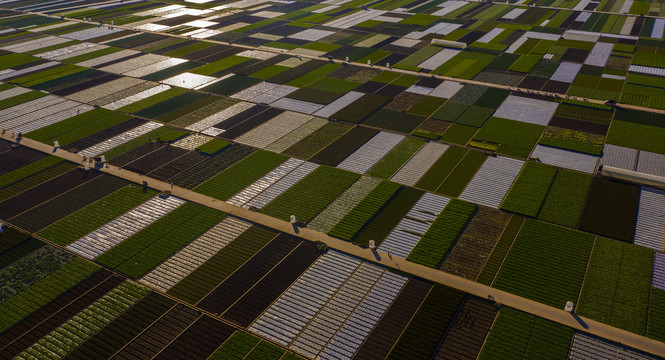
(547, 263)
(30, 269)
(442, 233)
(95, 215)
(317, 140)
(11, 237)
(617, 285)
(388, 330)
(86, 323)
(142, 251)
(385, 220)
(530, 189)
(355, 219)
(207, 276)
(44, 291)
(58, 208)
(35, 179)
(501, 248)
(123, 329)
(457, 180)
(438, 173)
(339, 149)
(240, 175)
(236, 347)
(476, 243)
(518, 335)
(421, 337)
(23, 170)
(566, 198)
(311, 195)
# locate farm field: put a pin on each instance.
(471, 138)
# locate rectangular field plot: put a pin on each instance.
(492, 181)
(518, 335)
(369, 154)
(565, 158)
(330, 318)
(585, 347)
(442, 233)
(478, 240)
(418, 165)
(530, 189)
(617, 285)
(527, 110)
(311, 195)
(119, 229)
(650, 227)
(287, 316)
(619, 156)
(546, 263)
(611, 209)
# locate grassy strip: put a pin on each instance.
(565, 200)
(381, 225)
(213, 146)
(435, 176)
(95, 215)
(30, 269)
(527, 194)
(546, 264)
(311, 195)
(78, 127)
(44, 291)
(394, 160)
(495, 260)
(18, 251)
(519, 335)
(617, 284)
(207, 276)
(236, 347)
(240, 175)
(421, 338)
(462, 174)
(657, 315)
(355, 219)
(440, 236)
(20, 99)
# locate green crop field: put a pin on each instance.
(546, 264)
(530, 189)
(617, 285)
(519, 335)
(311, 195)
(442, 233)
(565, 199)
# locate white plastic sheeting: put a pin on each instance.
(356, 328)
(599, 54)
(651, 163)
(335, 211)
(566, 72)
(361, 160)
(289, 314)
(285, 183)
(331, 317)
(526, 110)
(197, 252)
(117, 230)
(492, 181)
(619, 157)
(117, 140)
(339, 104)
(413, 226)
(439, 59)
(650, 228)
(270, 131)
(566, 158)
(418, 165)
(296, 135)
